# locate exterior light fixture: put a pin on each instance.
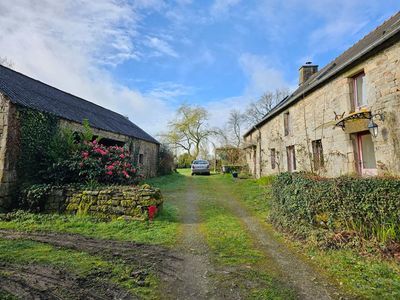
(372, 126)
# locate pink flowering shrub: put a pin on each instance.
(112, 164)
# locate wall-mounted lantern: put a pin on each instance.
(372, 126)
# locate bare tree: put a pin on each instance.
(257, 110)
(189, 131)
(4, 61)
(234, 126)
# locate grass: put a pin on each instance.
(366, 277)
(80, 263)
(161, 231)
(231, 245)
(226, 236)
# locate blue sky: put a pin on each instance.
(144, 58)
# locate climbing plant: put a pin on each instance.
(36, 130)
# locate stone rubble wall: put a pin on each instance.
(114, 202)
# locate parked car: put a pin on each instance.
(200, 166)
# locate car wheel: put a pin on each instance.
(192, 174)
(208, 173)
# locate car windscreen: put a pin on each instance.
(200, 162)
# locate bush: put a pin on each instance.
(98, 163)
(165, 161)
(185, 160)
(368, 206)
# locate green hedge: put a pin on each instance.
(369, 206)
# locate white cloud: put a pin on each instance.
(169, 91)
(67, 43)
(161, 47)
(261, 75)
(220, 7)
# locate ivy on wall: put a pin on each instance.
(37, 129)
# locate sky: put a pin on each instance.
(144, 58)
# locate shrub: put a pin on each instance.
(98, 163)
(185, 160)
(369, 206)
(165, 161)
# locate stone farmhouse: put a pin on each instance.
(20, 91)
(342, 119)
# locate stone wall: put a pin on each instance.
(9, 140)
(382, 75)
(113, 202)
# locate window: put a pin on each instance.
(140, 158)
(318, 154)
(291, 158)
(359, 94)
(273, 158)
(286, 123)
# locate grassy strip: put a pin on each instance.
(80, 263)
(232, 246)
(226, 237)
(366, 277)
(161, 231)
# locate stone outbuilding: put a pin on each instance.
(20, 91)
(342, 119)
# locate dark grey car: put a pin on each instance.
(200, 166)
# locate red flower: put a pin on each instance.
(122, 156)
(85, 154)
(109, 173)
(125, 173)
(110, 167)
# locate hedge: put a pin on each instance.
(369, 206)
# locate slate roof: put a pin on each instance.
(28, 92)
(388, 30)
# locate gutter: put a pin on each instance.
(278, 109)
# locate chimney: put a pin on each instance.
(306, 71)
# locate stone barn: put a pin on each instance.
(342, 119)
(20, 91)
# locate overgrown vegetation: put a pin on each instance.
(53, 155)
(369, 207)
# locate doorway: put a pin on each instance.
(366, 154)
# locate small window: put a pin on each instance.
(318, 154)
(140, 158)
(359, 94)
(291, 158)
(286, 123)
(273, 158)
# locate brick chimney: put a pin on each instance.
(306, 71)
